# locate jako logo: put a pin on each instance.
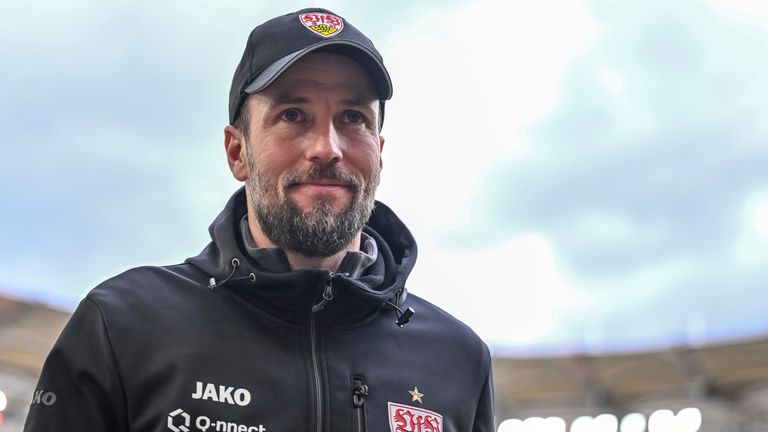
(207, 391)
(44, 397)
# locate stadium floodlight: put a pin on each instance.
(633, 422)
(582, 424)
(688, 420)
(511, 425)
(3, 401)
(555, 424)
(535, 424)
(662, 420)
(605, 423)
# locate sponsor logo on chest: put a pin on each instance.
(181, 421)
(222, 394)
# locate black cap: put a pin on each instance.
(275, 45)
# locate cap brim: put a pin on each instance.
(369, 61)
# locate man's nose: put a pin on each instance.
(325, 145)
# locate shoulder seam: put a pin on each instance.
(111, 350)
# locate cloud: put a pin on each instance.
(644, 167)
(509, 293)
(468, 80)
(672, 184)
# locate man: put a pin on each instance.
(295, 317)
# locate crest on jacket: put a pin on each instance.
(404, 418)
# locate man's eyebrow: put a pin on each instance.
(358, 102)
(292, 99)
(288, 99)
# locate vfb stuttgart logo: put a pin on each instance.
(324, 24)
(404, 418)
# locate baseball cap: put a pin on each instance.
(276, 44)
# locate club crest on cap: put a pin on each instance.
(324, 24)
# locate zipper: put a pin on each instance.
(359, 393)
(316, 372)
(327, 296)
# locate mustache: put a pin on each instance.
(316, 172)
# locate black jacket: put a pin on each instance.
(156, 349)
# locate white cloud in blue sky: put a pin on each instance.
(639, 177)
(569, 168)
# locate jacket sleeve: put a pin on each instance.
(79, 388)
(484, 418)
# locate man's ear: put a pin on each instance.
(234, 145)
(381, 149)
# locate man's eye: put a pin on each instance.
(291, 115)
(353, 117)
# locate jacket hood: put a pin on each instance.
(290, 296)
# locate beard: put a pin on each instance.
(319, 231)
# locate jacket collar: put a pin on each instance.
(290, 295)
(354, 263)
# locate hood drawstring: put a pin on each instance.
(403, 317)
(235, 264)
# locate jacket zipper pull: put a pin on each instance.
(359, 393)
(327, 294)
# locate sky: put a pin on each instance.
(581, 177)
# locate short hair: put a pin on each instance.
(242, 121)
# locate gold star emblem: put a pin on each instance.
(415, 395)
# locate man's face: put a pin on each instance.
(314, 154)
